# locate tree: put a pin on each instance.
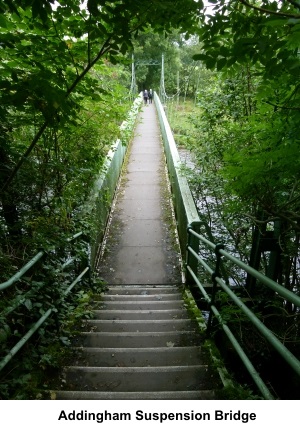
(260, 165)
(48, 51)
(105, 29)
(149, 48)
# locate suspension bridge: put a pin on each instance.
(146, 336)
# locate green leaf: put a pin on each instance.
(221, 63)
(28, 304)
(200, 57)
(3, 21)
(293, 21)
(278, 22)
(210, 63)
(92, 6)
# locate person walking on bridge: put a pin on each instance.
(150, 96)
(145, 95)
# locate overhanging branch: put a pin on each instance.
(268, 11)
(104, 49)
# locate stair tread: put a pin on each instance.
(178, 320)
(135, 334)
(140, 290)
(138, 339)
(138, 325)
(138, 395)
(159, 378)
(139, 314)
(145, 311)
(145, 349)
(147, 296)
(140, 357)
(138, 305)
(150, 351)
(144, 286)
(135, 369)
(179, 301)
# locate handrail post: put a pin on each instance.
(215, 274)
(191, 260)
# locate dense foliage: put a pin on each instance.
(64, 91)
(64, 79)
(255, 117)
(48, 51)
(243, 136)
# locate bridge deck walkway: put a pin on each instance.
(140, 246)
(141, 342)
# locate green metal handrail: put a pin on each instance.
(245, 359)
(288, 295)
(293, 362)
(17, 276)
(37, 325)
(184, 206)
(22, 271)
(117, 153)
(187, 215)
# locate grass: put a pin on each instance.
(179, 117)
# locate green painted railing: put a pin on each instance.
(185, 210)
(188, 226)
(99, 203)
(97, 206)
(219, 283)
(17, 277)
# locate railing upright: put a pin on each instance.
(282, 350)
(215, 275)
(191, 259)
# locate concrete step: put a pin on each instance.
(154, 395)
(139, 325)
(139, 305)
(163, 314)
(140, 345)
(140, 357)
(138, 340)
(143, 290)
(138, 297)
(139, 379)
